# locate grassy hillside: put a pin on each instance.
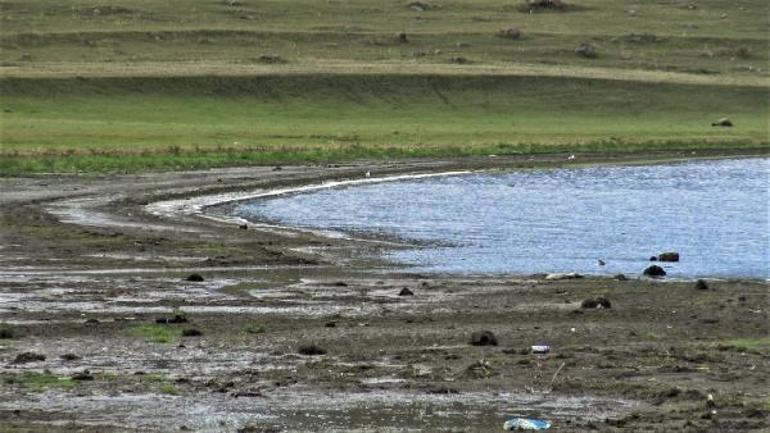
(139, 84)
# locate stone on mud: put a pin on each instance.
(405, 292)
(483, 338)
(196, 278)
(311, 350)
(192, 332)
(7, 334)
(654, 271)
(26, 357)
(69, 357)
(178, 318)
(701, 285)
(598, 302)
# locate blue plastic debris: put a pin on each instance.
(514, 424)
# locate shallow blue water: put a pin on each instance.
(714, 213)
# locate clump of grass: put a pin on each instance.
(39, 381)
(169, 389)
(255, 328)
(155, 333)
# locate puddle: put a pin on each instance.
(299, 410)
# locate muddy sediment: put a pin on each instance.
(88, 271)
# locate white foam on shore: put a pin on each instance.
(196, 206)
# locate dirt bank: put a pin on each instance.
(95, 278)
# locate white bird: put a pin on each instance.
(368, 174)
(571, 157)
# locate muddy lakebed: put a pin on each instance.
(714, 213)
(128, 305)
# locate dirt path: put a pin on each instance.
(89, 266)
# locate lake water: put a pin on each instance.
(714, 213)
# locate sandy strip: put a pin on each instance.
(325, 66)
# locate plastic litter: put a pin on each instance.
(514, 424)
(541, 348)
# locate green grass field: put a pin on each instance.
(139, 85)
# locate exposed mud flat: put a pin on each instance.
(97, 280)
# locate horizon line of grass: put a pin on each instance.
(214, 158)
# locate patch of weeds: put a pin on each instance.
(756, 345)
(39, 381)
(155, 333)
(255, 328)
(168, 389)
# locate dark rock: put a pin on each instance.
(621, 277)
(401, 38)
(7, 334)
(277, 168)
(311, 350)
(589, 303)
(191, 333)
(483, 338)
(340, 284)
(604, 302)
(653, 258)
(670, 256)
(69, 357)
(92, 321)
(243, 226)
(405, 292)
(197, 278)
(654, 271)
(586, 50)
(178, 318)
(546, 4)
(459, 60)
(701, 285)
(82, 376)
(26, 357)
(331, 324)
(724, 122)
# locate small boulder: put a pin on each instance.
(599, 302)
(401, 38)
(483, 338)
(405, 292)
(621, 277)
(26, 357)
(178, 318)
(723, 122)
(196, 278)
(311, 350)
(669, 256)
(192, 332)
(586, 50)
(69, 357)
(654, 271)
(7, 334)
(82, 376)
(701, 285)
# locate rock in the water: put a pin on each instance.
(669, 256)
(405, 292)
(724, 122)
(563, 276)
(26, 357)
(311, 350)
(483, 338)
(654, 271)
(197, 278)
(701, 285)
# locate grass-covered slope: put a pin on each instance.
(138, 84)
